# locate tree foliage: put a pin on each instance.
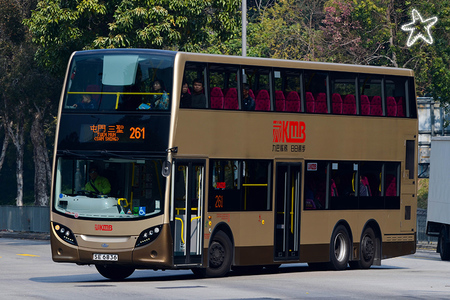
(61, 27)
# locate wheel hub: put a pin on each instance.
(216, 255)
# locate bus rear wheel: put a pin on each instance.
(219, 255)
(114, 272)
(367, 252)
(339, 248)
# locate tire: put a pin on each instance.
(339, 248)
(444, 245)
(114, 272)
(367, 250)
(219, 255)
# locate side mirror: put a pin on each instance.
(166, 167)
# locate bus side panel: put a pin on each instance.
(314, 253)
(260, 255)
(394, 249)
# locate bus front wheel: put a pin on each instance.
(220, 255)
(114, 272)
(339, 248)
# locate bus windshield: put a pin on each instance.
(119, 82)
(113, 188)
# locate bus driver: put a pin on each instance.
(97, 184)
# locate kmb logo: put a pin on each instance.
(289, 132)
(100, 227)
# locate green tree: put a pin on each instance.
(369, 32)
(26, 92)
(61, 27)
(289, 30)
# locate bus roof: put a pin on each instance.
(295, 64)
(266, 62)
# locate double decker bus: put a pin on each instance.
(255, 163)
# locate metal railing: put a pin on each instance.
(25, 218)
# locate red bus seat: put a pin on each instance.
(375, 106)
(365, 105)
(391, 107)
(262, 101)
(231, 99)
(216, 98)
(321, 103)
(400, 107)
(280, 101)
(310, 102)
(293, 102)
(336, 104)
(349, 106)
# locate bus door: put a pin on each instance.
(287, 210)
(187, 211)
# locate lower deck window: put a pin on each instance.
(339, 185)
(240, 185)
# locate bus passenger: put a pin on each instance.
(186, 97)
(249, 102)
(97, 184)
(86, 103)
(198, 98)
(160, 101)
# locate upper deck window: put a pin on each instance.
(221, 86)
(119, 82)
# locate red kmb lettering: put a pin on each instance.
(289, 131)
(100, 227)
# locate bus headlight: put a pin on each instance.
(65, 234)
(148, 235)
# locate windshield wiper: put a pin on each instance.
(106, 152)
(68, 152)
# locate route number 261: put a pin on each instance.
(137, 133)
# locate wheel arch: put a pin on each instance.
(349, 231)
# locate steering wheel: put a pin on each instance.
(87, 193)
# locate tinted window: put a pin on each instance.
(240, 185)
(119, 82)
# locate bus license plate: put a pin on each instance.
(106, 257)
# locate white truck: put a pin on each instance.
(438, 215)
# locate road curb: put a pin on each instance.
(25, 235)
